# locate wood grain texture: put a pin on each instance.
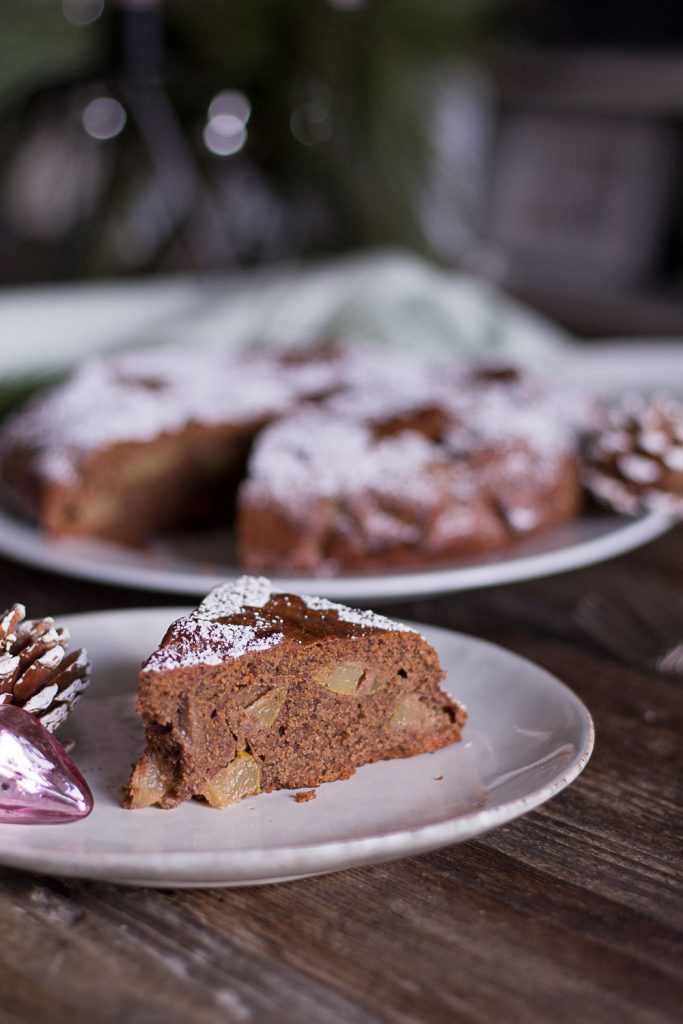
(572, 913)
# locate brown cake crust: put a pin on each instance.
(198, 691)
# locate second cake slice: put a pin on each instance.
(258, 690)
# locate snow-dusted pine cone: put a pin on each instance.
(35, 671)
(634, 463)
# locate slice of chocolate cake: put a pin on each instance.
(257, 690)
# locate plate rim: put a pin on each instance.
(270, 865)
(25, 543)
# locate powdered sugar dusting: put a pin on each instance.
(527, 412)
(356, 616)
(333, 451)
(201, 638)
(138, 397)
(316, 454)
(507, 440)
(202, 642)
(235, 598)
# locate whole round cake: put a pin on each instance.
(330, 458)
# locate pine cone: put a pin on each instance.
(36, 673)
(634, 463)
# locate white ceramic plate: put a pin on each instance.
(193, 565)
(528, 736)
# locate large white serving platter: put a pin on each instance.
(527, 737)
(192, 565)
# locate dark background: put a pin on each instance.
(537, 143)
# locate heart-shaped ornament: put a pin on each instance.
(39, 783)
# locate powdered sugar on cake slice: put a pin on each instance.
(234, 598)
(203, 642)
(204, 637)
(357, 616)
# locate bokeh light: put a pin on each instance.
(82, 12)
(233, 102)
(225, 135)
(225, 132)
(104, 117)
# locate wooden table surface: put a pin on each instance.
(572, 913)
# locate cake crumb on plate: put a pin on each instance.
(305, 796)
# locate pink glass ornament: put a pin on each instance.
(39, 783)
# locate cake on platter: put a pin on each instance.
(339, 457)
